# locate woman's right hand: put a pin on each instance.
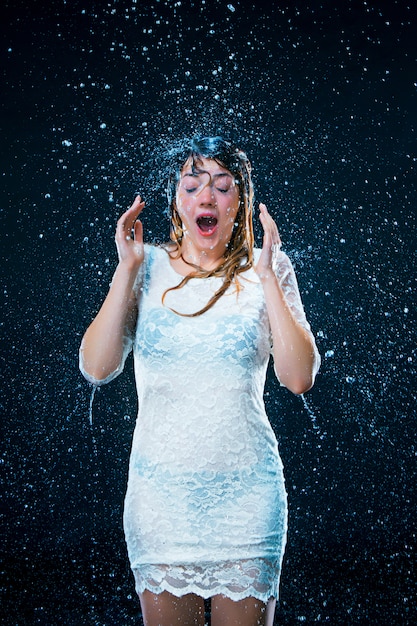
(130, 249)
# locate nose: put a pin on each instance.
(206, 194)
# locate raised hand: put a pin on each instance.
(270, 246)
(129, 235)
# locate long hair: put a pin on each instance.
(239, 252)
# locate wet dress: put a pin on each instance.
(206, 506)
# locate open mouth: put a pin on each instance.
(207, 224)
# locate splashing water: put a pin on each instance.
(90, 408)
(320, 108)
(311, 414)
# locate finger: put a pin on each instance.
(136, 207)
(135, 210)
(269, 225)
(138, 232)
(138, 202)
(128, 218)
(265, 217)
(268, 228)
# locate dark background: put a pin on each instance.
(323, 97)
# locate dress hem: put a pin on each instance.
(206, 593)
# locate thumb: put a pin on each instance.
(138, 231)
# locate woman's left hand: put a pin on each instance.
(270, 246)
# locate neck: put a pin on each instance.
(206, 259)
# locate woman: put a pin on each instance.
(205, 511)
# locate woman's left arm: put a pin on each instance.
(296, 359)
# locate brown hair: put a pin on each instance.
(239, 252)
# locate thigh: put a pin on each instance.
(246, 612)
(165, 609)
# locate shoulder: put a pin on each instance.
(153, 268)
(155, 252)
(256, 255)
(153, 248)
(154, 258)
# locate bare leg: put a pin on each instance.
(165, 609)
(246, 612)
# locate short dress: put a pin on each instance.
(206, 506)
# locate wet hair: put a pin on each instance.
(239, 251)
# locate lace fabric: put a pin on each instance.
(206, 507)
(236, 580)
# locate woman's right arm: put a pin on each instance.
(102, 348)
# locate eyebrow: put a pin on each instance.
(198, 172)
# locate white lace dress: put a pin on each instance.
(206, 507)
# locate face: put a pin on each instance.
(207, 202)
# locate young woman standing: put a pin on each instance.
(206, 509)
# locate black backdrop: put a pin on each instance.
(322, 95)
